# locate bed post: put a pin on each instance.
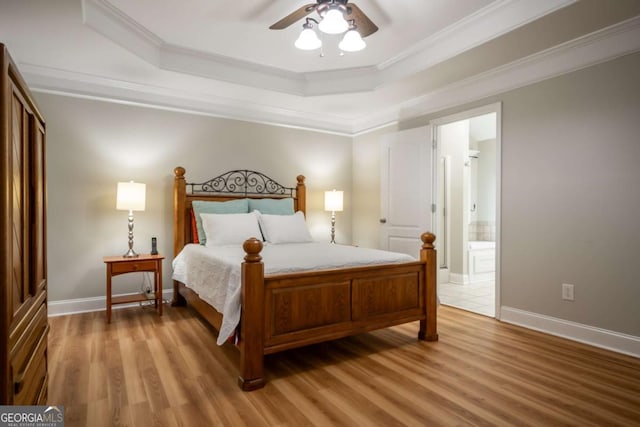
(429, 326)
(252, 318)
(179, 193)
(301, 194)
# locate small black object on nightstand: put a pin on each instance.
(154, 246)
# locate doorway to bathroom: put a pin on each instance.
(467, 214)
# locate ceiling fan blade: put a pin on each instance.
(294, 17)
(365, 26)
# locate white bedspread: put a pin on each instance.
(214, 273)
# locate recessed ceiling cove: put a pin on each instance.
(219, 57)
(231, 41)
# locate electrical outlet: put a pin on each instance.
(567, 292)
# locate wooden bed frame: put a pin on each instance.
(290, 310)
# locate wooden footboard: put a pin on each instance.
(285, 311)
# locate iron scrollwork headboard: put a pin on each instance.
(242, 182)
(228, 186)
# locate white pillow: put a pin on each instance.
(229, 229)
(284, 228)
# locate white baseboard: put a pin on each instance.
(481, 277)
(459, 279)
(84, 305)
(610, 340)
(443, 275)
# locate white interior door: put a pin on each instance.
(406, 189)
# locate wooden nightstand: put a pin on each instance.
(120, 265)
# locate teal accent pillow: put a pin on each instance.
(272, 206)
(230, 207)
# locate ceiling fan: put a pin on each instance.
(350, 13)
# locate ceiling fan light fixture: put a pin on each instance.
(308, 39)
(352, 41)
(333, 21)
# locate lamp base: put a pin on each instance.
(333, 227)
(130, 254)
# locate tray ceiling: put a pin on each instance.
(220, 58)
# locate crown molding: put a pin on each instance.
(109, 21)
(178, 59)
(81, 85)
(601, 46)
(488, 23)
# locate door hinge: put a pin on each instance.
(433, 208)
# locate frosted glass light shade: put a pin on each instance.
(333, 201)
(308, 40)
(130, 196)
(333, 22)
(352, 42)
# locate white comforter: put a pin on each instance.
(214, 273)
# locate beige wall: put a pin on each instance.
(91, 145)
(570, 194)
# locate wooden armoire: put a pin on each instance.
(23, 256)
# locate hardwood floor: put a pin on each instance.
(143, 370)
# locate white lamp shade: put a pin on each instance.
(333, 22)
(352, 42)
(308, 40)
(333, 201)
(131, 196)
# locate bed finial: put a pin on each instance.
(301, 195)
(252, 247)
(179, 172)
(429, 326)
(427, 240)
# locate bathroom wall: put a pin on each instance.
(453, 140)
(483, 185)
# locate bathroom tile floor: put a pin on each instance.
(477, 297)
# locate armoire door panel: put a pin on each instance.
(23, 258)
(20, 279)
(22, 323)
(38, 243)
(26, 342)
(29, 378)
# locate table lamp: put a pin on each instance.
(333, 204)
